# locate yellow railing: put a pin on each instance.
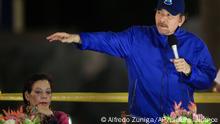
(120, 97)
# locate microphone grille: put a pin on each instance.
(172, 40)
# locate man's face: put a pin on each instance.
(167, 23)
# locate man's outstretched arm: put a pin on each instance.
(112, 43)
(64, 37)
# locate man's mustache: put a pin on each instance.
(162, 25)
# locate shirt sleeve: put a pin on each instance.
(61, 117)
(203, 70)
(112, 43)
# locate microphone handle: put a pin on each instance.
(174, 48)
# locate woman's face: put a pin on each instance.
(40, 94)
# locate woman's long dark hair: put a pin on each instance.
(30, 82)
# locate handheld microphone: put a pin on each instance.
(172, 40)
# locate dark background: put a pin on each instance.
(28, 52)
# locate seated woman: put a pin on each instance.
(37, 94)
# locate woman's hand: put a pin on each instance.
(42, 109)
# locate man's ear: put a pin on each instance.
(182, 20)
(27, 96)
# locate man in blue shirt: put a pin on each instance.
(156, 79)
